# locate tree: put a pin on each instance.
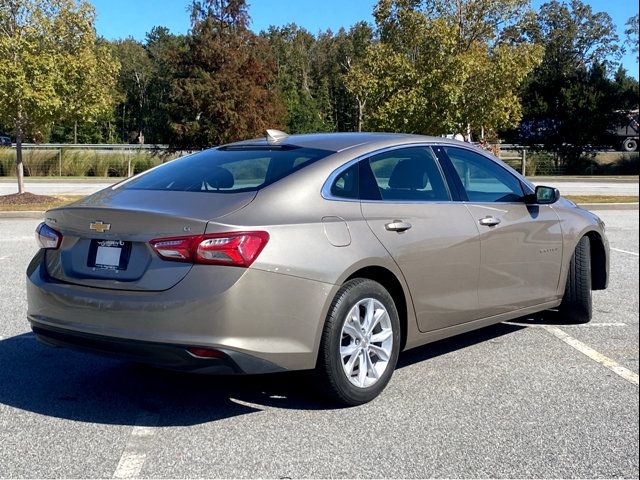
(292, 49)
(443, 65)
(164, 50)
(224, 87)
(631, 34)
(569, 100)
(134, 83)
(52, 67)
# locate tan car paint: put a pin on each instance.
(520, 257)
(276, 309)
(439, 257)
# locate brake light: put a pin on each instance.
(201, 352)
(47, 237)
(238, 249)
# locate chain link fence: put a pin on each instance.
(63, 160)
(531, 163)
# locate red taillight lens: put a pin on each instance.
(238, 249)
(47, 237)
(201, 352)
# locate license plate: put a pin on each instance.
(109, 254)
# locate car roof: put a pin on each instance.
(338, 142)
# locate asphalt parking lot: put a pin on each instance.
(512, 400)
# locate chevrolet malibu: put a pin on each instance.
(331, 252)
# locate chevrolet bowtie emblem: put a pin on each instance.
(99, 226)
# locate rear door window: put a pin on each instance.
(406, 174)
(228, 170)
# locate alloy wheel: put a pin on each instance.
(366, 342)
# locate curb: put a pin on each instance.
(23, 214)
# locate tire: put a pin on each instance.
(630, 145)
(354, 299)
(576, 306)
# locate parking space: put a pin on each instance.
(512, 400)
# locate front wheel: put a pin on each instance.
(576, 306)
(360, 343)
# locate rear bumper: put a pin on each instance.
(248, 314)
(174, 357)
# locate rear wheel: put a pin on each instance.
(360, 343)
(630, 145)
(576, 306)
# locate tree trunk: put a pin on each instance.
(360, 113)
(19, 164)
(75, 132)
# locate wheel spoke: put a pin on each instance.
(382, 353)
(378, 315)
(351, 363)
(381, 336)
(371, 368)
(352, 331)
(348, 350)
(362, 368)
(368, 314)
(354, 315)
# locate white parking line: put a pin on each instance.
(624, 251)
(612, 365)
(135, 452)
(604, 324)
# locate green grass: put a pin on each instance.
(602, 198)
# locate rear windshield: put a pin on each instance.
(228, 170)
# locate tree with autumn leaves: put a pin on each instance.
(52, 68)
(224, 85)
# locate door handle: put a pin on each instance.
(489, 221)
(398, 226)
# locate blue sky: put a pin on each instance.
(127, 18)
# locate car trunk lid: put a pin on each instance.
(106, 235)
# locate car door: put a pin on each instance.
(521, 245)
(434, 241)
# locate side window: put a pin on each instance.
(346, 184)
(407, 174)
(483, 180)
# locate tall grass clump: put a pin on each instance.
(7, 162)
(71, 162)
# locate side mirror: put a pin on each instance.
(544, 196)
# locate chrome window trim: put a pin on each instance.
(326, 187)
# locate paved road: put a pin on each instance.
(583, 187)
(55, 188)
(586, 187)
(512, 400)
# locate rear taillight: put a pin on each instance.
(201, 352)
(47, 237)
(239, 249)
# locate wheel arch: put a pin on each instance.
(599, 261)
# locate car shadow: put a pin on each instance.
(73, 385)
